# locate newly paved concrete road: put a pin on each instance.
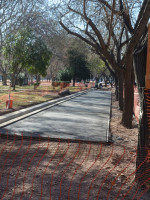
(85, 117)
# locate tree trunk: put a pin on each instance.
(143, 156)
(120, 77)
(143, 166)
(31, 77)
(13, 82)
(116, 87)
(4, 78)
(38, 78)
(128, 97)
(74, 80)
(117, 92)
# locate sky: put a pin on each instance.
(53, 1)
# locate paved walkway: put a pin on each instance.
(83, 118)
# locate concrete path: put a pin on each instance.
(83, 118)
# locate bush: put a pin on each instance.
(65, 75)
(37, 84)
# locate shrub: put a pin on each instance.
(65, 75)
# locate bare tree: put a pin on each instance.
(7, 12)
(86, 19)
(17, 14)
(114, 29)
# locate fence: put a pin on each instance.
(56, 169)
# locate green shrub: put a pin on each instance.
(65, 75)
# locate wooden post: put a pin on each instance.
(148, 61)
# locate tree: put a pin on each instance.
(25, 50)
(114, 29)
(78, 66)
(96, 65)
(18, 14)
(65, 75)
(38, 57)
(99, 17)
(8, 11)
(140, 57)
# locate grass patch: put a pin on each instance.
(26, 95)
(24, 99)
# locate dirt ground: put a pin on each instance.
(57, 169)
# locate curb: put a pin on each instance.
(23, 113)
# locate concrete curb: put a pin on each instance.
(23, 113)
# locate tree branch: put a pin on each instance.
(76, 34)
(72, 10)
(92, 38)
(84, 8)
(126, 18)
(140, 13)
(139, 30)
(110, 7)
(110, 25)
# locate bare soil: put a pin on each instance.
(56, 169)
